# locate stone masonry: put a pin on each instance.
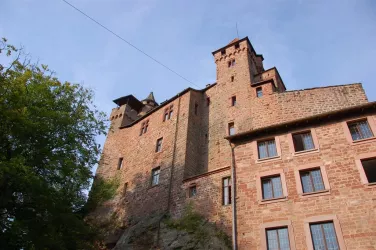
(196, 152)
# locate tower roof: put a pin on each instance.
(236, 40)
(150, 97)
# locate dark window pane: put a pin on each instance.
(360, 130)
(278, 239)
(120, 163)
(159, 145)
(259, 92)
(192, 191)
(303, 141)
(271, 187)
(324, 236)
(155, 176)
(312, 180)
(266, 149)
(233, 100)
(369, 167)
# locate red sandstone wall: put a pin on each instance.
(275, 107)
(208, 200)
(140, 158)
(351, 201)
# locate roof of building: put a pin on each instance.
(131, 100)
(165, 103)
(238, 40)
(319, 118)
(150, 97)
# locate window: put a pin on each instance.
(259, 92)
(232, 78)
(223, 52)
(237, 46)
(324, 236)
(278, 239)
(207, 101)
(196, 108)
(125, 188)
(303, 141)
(168, 113)
(144, 127)
(233, 101)
(231, 128)
(312, 180)
(360, 130)
(120, 163)
(267, 149)
(323, 232)
(155, 172)
(192, 191)
(271, 187)
(231, 63)
(226, 191)
(369, 167)
(159, 145)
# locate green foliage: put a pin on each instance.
(47, 149)
(101, 191)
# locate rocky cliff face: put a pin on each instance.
(158, 232)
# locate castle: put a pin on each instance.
(276, 169)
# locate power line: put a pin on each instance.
(130, 44)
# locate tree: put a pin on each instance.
(47, 149)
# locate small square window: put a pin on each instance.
(192, 191)
(223, 52)
(155, 172)
(312, 180)
(237, 46)
(277, 239)
(226, 191)
(267, 149)
(120, 163)
(259, 92)
(159, 145)
(324, 236)
(360, 130)
(303, 141)
(233, 101)
(231, 128)
(271, 187)
(369, 167)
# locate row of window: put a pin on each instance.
(303, 141)
(322, 233)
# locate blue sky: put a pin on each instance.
(312, 43)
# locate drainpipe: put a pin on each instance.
(233, 198)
